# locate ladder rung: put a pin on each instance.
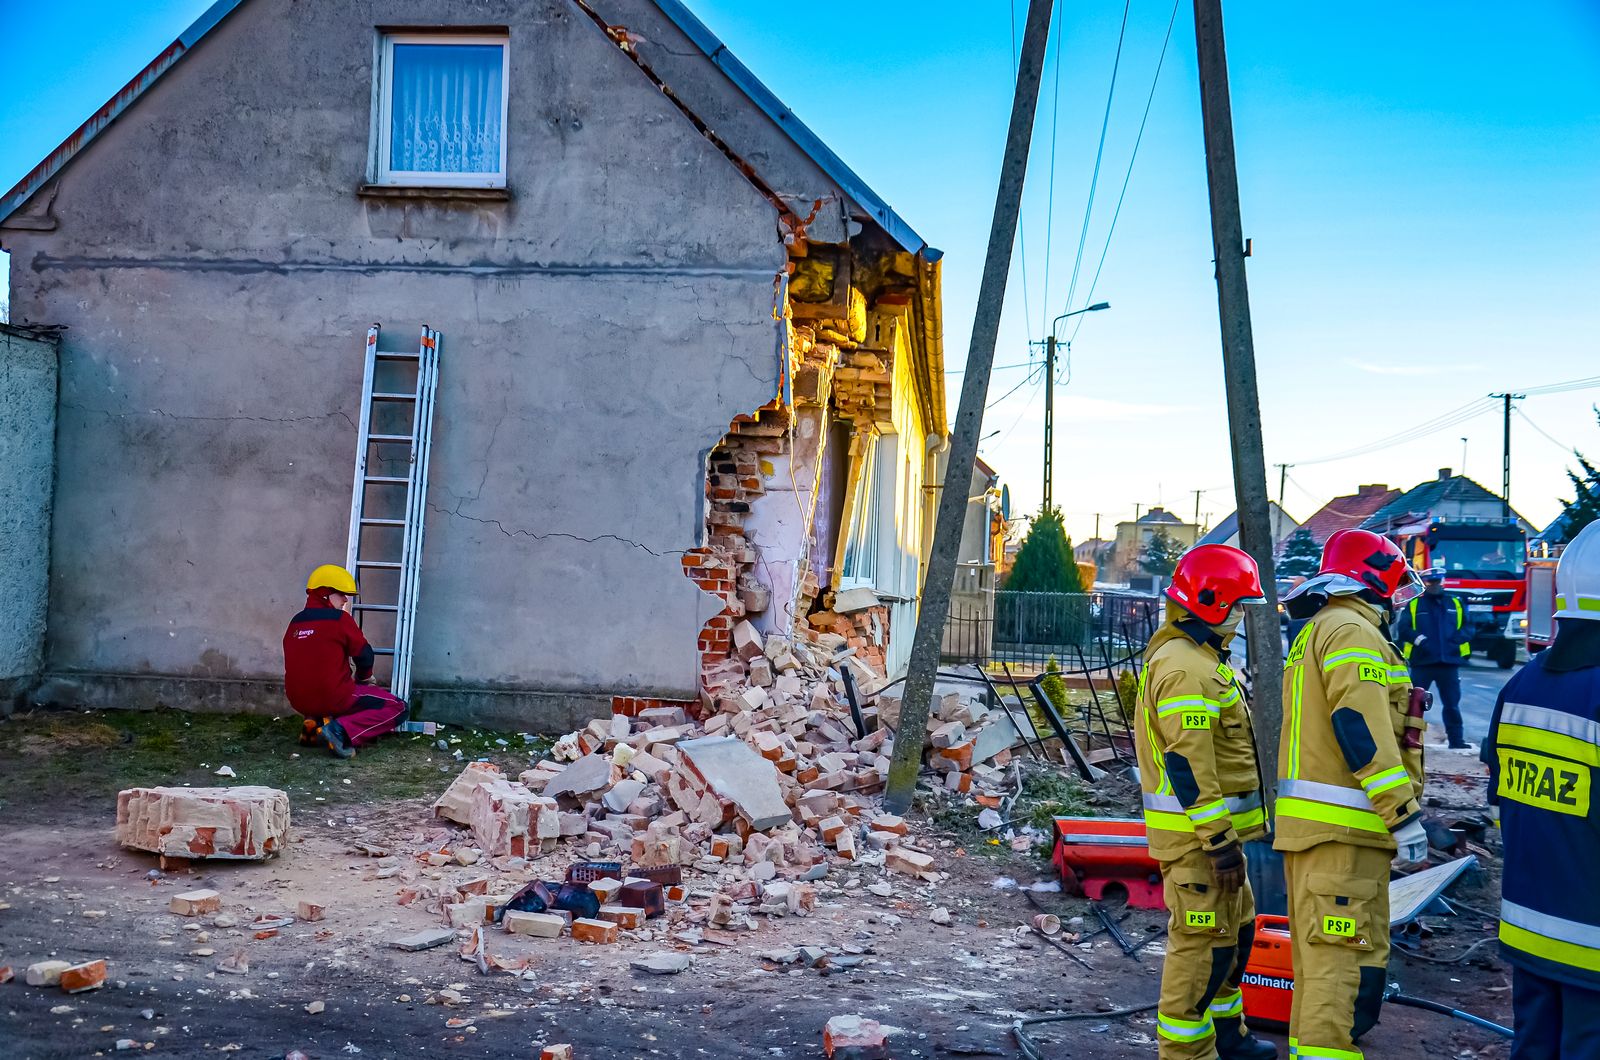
(396, 355)
(388, 437)
(374, 607)
(381, 564)
(383, 651)
(383, 522)
(391, 396)
(392, 480)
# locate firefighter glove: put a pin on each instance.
(1412, 840)
(1227, 864)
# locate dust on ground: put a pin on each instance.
(950, 990)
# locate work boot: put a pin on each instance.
(1234, 1045)
(1458, 744)
(338, 740)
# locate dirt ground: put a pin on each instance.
(67, 891)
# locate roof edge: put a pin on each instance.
(56, 160)
(809, 142)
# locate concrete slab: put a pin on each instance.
(733, 770)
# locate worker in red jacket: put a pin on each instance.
(319, 647)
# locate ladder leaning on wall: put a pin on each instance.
(388, 501)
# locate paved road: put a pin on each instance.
(1481, 682)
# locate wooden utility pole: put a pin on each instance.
(1239, 375)
(936, 585)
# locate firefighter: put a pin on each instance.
(1349, 781)
(1543, 752)
(1202, 800)
(319, 647)
(1433, 638)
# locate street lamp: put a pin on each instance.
(1050, 394)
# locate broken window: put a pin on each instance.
(441, 114)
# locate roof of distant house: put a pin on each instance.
(1226, 530)
(706, 41)
(1341, 513)
(1159, 515)
(1419, 501)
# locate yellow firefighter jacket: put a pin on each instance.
(1345, 772)
(1197, 760)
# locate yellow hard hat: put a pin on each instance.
(332, 576)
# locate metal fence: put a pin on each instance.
(1028, 629)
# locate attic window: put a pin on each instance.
(441, 110)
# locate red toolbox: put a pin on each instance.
(1095, 853)
(1268, 985)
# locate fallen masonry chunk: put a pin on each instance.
(509, 820)
(456, 802)
(91, 975)
(888, 822)
(624, 916)
(45, 973)
(907, 861)
(195, 903)
(311, 911)
(236, 963)
(854, 1038)
(596, 931)
(732, 770)
(664, 962)
(536, 925)
(424, 940)
(589, 773)
(243, 822)
(556, 1052)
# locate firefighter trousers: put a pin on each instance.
(1554, 1021)
(1208, 944)
(1339, 928)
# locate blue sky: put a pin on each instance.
(1421, 183)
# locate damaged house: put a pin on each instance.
(690, 367)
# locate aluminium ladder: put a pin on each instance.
(388, 499)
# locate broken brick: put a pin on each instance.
(195, 903)
(242, 822)
(90, 975)
(599, 932)
(536, 925)
(854, 1038)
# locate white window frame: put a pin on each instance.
(383, 91)
(863, 545)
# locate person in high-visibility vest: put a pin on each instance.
(1202, 800)
(1543, 753)
(1349, 781)
(1433, 637)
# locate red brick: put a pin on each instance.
(89, 976)
(595, 931)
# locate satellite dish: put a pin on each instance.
(1005, 502)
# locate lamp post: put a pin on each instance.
(1050, 396)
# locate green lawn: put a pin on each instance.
(48, 756)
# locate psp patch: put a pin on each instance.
(1197, 918)
(1373, 672)
(1196, 719)
(1342, 926)
(1547, 783)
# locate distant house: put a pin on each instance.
(1227, 531)
(1133, 536)
(1343, 513)
(1454, 497)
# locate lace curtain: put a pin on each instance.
(445, 109)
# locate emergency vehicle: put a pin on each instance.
(1539, 625)
(1485, 568)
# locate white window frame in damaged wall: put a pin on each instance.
(381, 139)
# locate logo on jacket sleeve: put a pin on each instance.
(1374, 672)
(302, 634)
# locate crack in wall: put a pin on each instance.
(162, 413)
(537, 536)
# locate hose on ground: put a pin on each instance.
(1460, 958)
(1423, 1003)
(1030, 1049)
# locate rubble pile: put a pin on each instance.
(240, 822)
(758, 790)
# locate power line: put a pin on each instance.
(1558, 444)
(1022, 236)
(1448, 419)
(1008, 393)
(1099, 154)
(996, 368)
(1137, 140)
(1050, 200)
(1560, 388)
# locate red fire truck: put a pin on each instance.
(1484, 561)
(1540, 625)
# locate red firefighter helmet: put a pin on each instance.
(1354, 560)
(1210, 579)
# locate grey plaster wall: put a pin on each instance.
(27, 473)
(217, 272)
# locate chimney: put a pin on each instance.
(1444, 473)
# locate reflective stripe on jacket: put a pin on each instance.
(1443, 644)
(1543, 753)
(1343, 774)
(1197, 759)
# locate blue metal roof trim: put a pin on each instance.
(81, 137)
(808, 141)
